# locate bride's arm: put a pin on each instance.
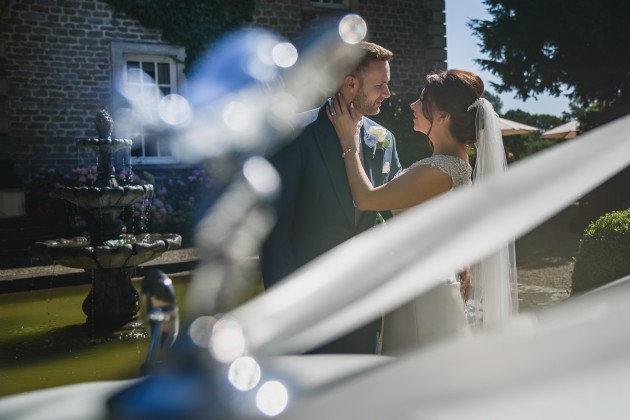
(412, 187)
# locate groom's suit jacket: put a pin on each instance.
(315, 211)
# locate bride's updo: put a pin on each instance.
(454, 91)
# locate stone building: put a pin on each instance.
(413, 29)
(60, 61)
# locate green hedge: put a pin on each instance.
(397, 117)
(193, 24)
(604, 253)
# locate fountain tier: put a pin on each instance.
(127, 252)
(109, 256)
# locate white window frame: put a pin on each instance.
(344, 5)
(123, 52)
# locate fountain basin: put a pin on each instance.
(127, 252)
(104, 197)
(112, 301)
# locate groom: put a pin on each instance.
(315, 211)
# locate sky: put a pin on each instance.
(462, 48)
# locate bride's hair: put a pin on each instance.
(454, 91)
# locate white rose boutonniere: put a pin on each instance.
(378, 137)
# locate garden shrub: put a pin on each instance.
(604, 252)
(174, 207)
(397, 117)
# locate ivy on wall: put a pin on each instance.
(193, 24)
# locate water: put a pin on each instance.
(43, 341)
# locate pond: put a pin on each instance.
(44, 341)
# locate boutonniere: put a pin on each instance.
(378, 137)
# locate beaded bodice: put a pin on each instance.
(459, 171)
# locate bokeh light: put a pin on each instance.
(227, 342)
(282, 114)
(272, 398)
(260, 65)
(127, 122)
(174, 109)
(143, 98)
(244, 373)
(236, 61)
(261, 175)
(200, 329)
(238, 117)
(284, 54)
(352, 29)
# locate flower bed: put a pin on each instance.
(173, 208)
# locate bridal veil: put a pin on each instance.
(495, 295)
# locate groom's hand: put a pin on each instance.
(465, 287)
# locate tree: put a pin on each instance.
(539, 46)
(542, 121)
(494, 99)
(528, 144)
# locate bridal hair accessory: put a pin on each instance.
(475, 104)
(495, 289)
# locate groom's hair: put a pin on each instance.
(371, 52)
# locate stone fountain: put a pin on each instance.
(109, 255)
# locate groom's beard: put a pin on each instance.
(364, 105)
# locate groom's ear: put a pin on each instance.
(351, 82)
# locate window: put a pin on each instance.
(329, 6)
(333, 4)
(149, 78)
(145, 72)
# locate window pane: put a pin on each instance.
(134, 91)
(150, 145)
(150, 96)
(328, 2)
(164, 74)
(165, 147)
(149, 69)
(166, 90)
(133, 72)
(136, 148)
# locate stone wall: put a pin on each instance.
(413, 30)
(57, 72)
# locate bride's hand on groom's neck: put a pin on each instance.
(465, 276)
(345, 108)
(345, 119)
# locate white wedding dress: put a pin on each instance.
(439, 312)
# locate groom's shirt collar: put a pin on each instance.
(357, 137)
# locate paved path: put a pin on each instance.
(45, 276)
(544, 259)
(544, 263)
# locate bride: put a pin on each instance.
(454, 116)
